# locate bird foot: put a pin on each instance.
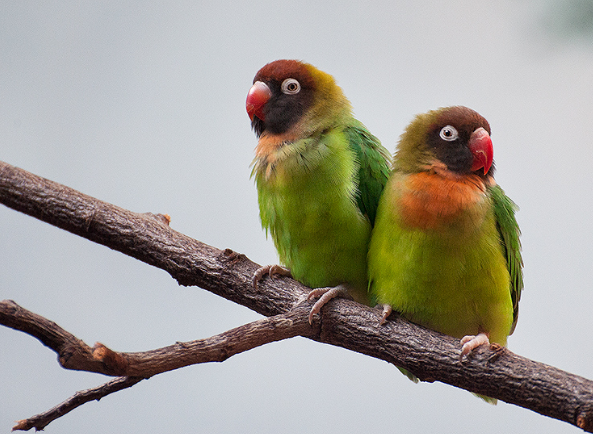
(498, 350)
(469, 343)
(325, 295)
(271, 270)
(386, 310)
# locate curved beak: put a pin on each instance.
(258, 96)
(480, 144)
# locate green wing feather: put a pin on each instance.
(504, 211)
(374, 161)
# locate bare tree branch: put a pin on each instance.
(134, 367)
(77, 355)
(428, 354)
(41, 420)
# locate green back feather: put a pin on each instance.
(504, 211)
(373, 170)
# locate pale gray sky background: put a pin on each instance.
(141, 104)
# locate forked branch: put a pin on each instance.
(134, 367)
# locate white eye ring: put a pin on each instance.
(290, 86)
(449, 133)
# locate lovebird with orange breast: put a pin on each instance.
(445, 250)
(319, 174)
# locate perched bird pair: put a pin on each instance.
(444, 250)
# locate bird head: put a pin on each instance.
(289, 94)
(456, 139)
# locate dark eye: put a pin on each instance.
(449, 133)
(290, 86)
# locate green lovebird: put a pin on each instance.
(319, 174)
(445, 249)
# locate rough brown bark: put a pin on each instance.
(41, 420)
(429, 355)
(77, 355)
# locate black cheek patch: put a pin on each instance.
(283, 113)
(456, 155)
(258, 126)
(457, 158)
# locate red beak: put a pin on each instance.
(258, 96)
(481, 146)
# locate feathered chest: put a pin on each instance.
(432, 202)
(287, 163)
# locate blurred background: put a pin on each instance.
(141, 104)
